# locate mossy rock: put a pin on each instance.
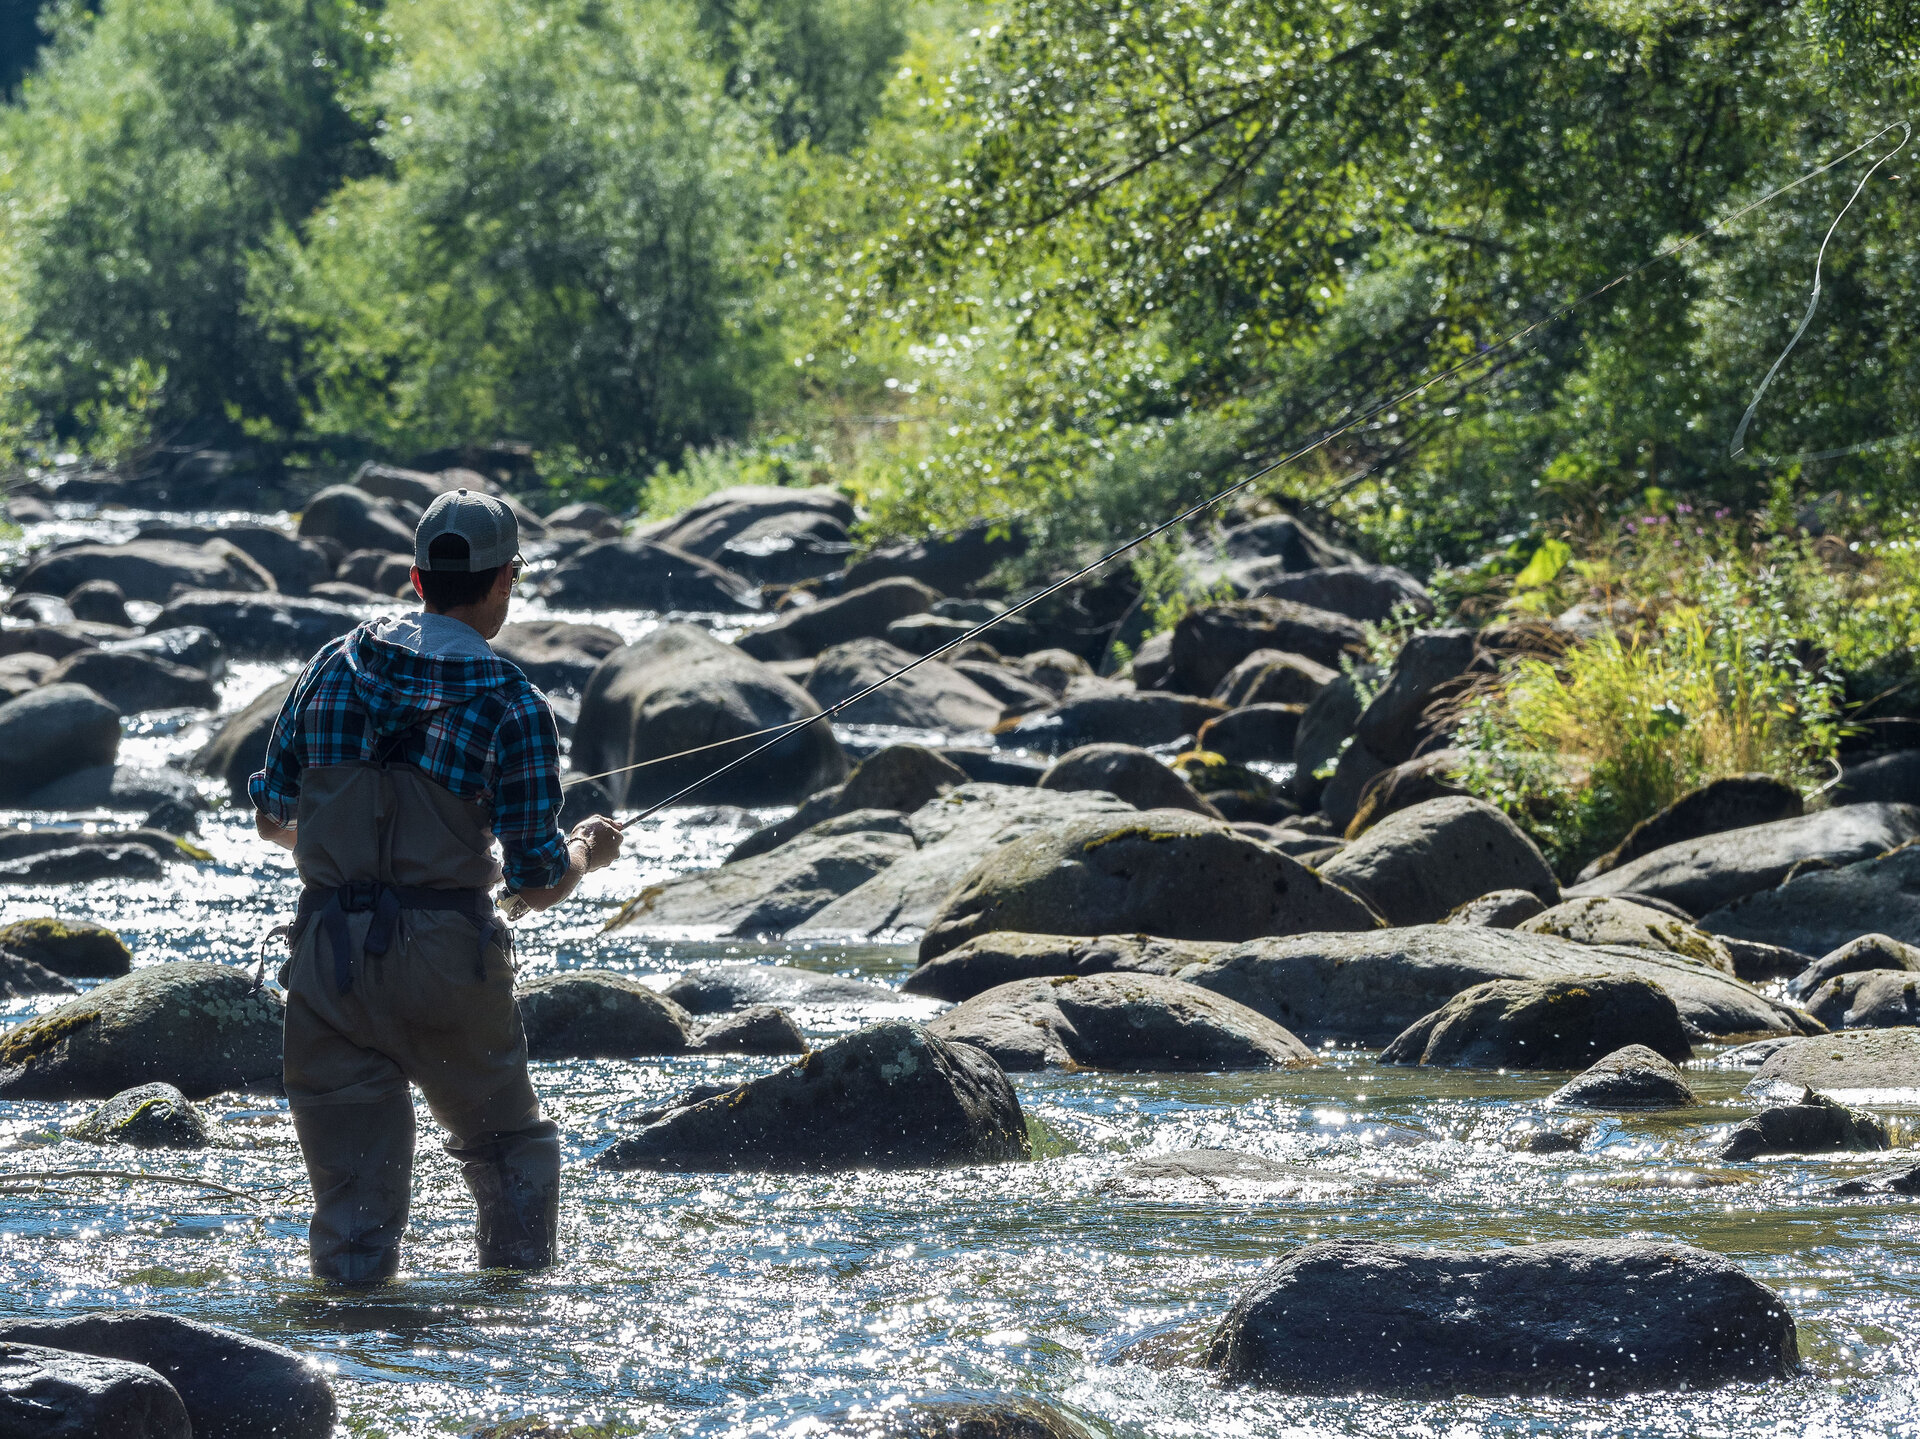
(75, 948)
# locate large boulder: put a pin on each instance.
(1869, 951)
(1017, 695)
(953, 833)
(1007, 955)
(1118, 1021)
(1284, 539)
(1141, 718)
(1370, 593)
(355, 520)
(934, 696)
(53, 1394)
(1543, 1024)
(597, 1014)
(1578, 1318)
(771, 533)
(1736, 801)
(22, 978)
(417, 488)
(1881, 1062)
(1129, 772)
(736, 988)
(1364, 989)
(1705, 874)
(189, 646)
(238, 747)
(145, 569)
(1209, 640)
(1869, 999)
(1824, 909)
(901, 777)
(380, 571)
(1433, 775)
(556, 654)
(133, 683)
(1161, 871)
(75, 948)
(891, 1096)
(637, 575)
(773, 892)
(54, 731)
(1254, 732)
(862, 613)
(100, 602)
(1632, 1077)
(1608, 920)
(1274, 677)
(232, 1385)
(260, 627)
(678, 688)
(150, 1116)
(757, 1029)
(1815, 1124)
(81, 863)
(117, 787)
(203, 1028)
(294, 563)
(1497, 909)
(586, 518)
(1325, 727)
(951, 563)
(1417, 865)
(1393, 723)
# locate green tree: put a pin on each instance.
(814, 70)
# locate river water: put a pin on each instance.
(742, 1305)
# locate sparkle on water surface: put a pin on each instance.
(743, 1305)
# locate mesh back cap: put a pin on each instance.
(489, 528)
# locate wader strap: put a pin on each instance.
(385, 902)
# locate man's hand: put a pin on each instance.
(271, 830)
(601, 836)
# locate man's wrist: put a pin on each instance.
(586, 850)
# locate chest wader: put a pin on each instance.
(401, 972)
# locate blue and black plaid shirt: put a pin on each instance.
(475, 724)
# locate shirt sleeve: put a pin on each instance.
(526, 802)
(274, 788)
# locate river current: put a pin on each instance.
(731, 1305)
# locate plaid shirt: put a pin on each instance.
(476, 725)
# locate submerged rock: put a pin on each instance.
(1633, 1077)
(1543, 1024)
(80, 863)
(597, 1014)
(1008, 955)
(233, 1385)
(888, 1097)
(49, 1393)
(1608, 919)
(1418, 864)
(720, 988)
(203, 1028)
(76, 948)
(1578, 1318)
(976, 1419)
(1229, 1168)
(1868, 952)
(1118, 1021)
(153, 1116)
(1816, 1124)
(1164, 872)
(1904, 1180)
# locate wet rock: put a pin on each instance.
(677, 688)
(116, 787)
(862, 613)
(100, 602)
(1274, 677)
(1543, 1024)
(933, 697)
(1716, 870)
(1120, 717)
(1359, 591)
(586, 518)
(891, 1096)
(597, 1014)
(1904, 1180)
(204, 1028)
(773, 892)
(189, 646)
(1162, 872)
(556, 654)
(1869, 951)
(356, 520)
(294, 563)
(51, 1394)
(1053, 669)
(263, 627)
(901, 777)
(381, 571)
(75, 948)
(772, 533)
(23, 672)
(1756, 962)
(1732, 802)
(965, 1419)
(233, 1386)
(1006, 956)
(1230, 1168)
(1605, 919)
(1118, 1021)
(152, 1116)
(1868, 999)
(133, 683)
(1210, 640)
(1502, 909)
(724, 988)
(1815, 1125)
(144, 569)
(1634, 1077)
(239, 744)
(82, 863)
(1016, 694)
(1416, 866)
(1365, 988)
(57, 641)
(53, 731)
(1578, 1318)
(21, 978)
(1532, 1137)
(1127, 772)
(637, 574)
(757, 1029)
(1254, 732)
(954, 833)
(1877, 1060)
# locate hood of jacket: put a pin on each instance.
(401, 688)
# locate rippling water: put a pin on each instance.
(738, 1305)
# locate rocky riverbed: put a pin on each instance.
(1152, 1087)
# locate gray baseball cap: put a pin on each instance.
(489, 528)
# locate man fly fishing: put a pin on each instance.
(405, 749)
